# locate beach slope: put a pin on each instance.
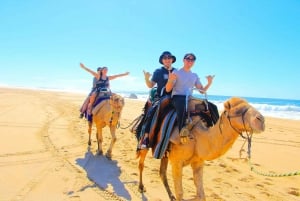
(44, 156)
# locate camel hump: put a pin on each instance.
(205, 109)
(96, 108)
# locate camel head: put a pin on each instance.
(117, 102)
(243, 117)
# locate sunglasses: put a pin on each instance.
(190, 59)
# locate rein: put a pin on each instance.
(130, 124)
(248, 138)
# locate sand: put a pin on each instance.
(44, 156)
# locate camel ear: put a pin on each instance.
(227, 105)
(232, 102)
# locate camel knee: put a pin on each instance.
(114, 139)
(179, 196)
(141, 167)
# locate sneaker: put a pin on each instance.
(145, 143)
(81, 115)
(184, 132)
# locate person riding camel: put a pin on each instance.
(102, 83)
(159, 79)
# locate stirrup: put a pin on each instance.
(184, 132)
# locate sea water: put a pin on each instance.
(269, 107)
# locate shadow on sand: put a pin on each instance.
(104, 172)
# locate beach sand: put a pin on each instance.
(44, 156)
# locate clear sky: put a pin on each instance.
(252, 47)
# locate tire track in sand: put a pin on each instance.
(59, 158)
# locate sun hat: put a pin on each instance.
(166, 53)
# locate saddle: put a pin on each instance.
(207, 111)
(102, 94)
(163, 121)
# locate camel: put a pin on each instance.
(106, 113)
(204, 144)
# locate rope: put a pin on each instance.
(135, 120)
(267, 174)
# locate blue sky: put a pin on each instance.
(252, 47)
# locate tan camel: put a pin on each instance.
(107, 113)
(205, 144)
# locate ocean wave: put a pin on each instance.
(269, 108)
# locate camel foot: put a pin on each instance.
(100, 152)
(142, 189)
(108, 155)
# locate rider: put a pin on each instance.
(181, 82)
(102, 82)
(87, 100)
(159, 79)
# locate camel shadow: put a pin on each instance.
(104, 173)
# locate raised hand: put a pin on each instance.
(147, 75)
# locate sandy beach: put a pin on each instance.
(44, 155)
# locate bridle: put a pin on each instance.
(248, 133)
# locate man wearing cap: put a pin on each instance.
(180, 83)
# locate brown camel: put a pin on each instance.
(107, 113)
(204, 144)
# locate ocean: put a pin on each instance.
(269, 107)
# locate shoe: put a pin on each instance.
(145, 143)
(81, 115)
(184, 132)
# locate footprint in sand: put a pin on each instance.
(294, 191)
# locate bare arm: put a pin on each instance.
(149, 83)
(111, 77)
(209, 81)
(96, 75)
(171, 81)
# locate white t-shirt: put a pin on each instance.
(185, 82)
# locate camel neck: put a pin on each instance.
(221, 138)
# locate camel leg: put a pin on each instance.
(90, 124)
(99, 140)
(112, 143)
(163, 175)
(198, 179)
(177, 178)
(142, 155)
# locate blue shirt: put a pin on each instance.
(160, 77)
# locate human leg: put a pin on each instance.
(91, 102)
(84, 106)
(180, 106)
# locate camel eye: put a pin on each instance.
(239, 111)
